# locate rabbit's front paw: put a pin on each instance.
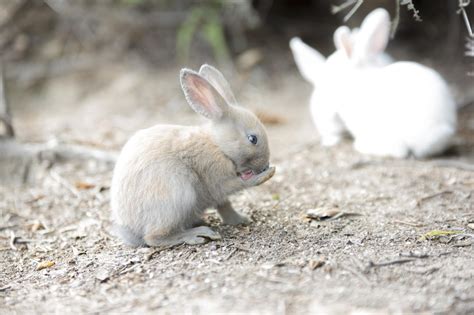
(237, 219)
(230, 216)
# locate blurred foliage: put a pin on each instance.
(203, 20)
(156, 3)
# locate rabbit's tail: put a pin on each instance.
(128, 236)
(434, 143)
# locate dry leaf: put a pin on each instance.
(322, 214)
(84, 185)
(35, 198)
(314, 264)
(45, 264)
(36, 226)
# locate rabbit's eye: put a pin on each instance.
(252, 138)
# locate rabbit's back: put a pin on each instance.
(163, 166)
(147, 173)
(402, 99)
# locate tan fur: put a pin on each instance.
(167, 175)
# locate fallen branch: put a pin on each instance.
(54, 152)
(5, 116)
(17, 159)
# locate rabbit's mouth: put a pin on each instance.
(249, 173)
(246, 175)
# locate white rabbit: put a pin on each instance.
(395, 110)
(167, 175)
(310, 61)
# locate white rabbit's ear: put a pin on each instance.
(343, 40)
(202, 96)
(373, 35)
(354, 32)
(307, 59)
(216, 78)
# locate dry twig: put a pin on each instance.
(60, 180)
(465, 166)
(411, 7)
(414, 255)
(389, 263)
(425, 198)
(231, 254)
(12, 240)
(355, 6)
(462, 9)
(408, 223)
(5, 116)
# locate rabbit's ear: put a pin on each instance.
(307, 59)
(354, 32)
(202, 96)
(374, 33)
(216, 78)
(343, 40)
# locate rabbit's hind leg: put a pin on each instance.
(434, 142)
(128, 236)
(382, 146)
(193, 236)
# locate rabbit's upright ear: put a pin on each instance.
(216, 78)
(307, 59)
(202, 96)
(343, 40)
(373, 35)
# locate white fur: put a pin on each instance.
(396, 109)
(375, 31)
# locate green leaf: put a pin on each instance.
(437, 233)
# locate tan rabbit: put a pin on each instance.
(167, 175)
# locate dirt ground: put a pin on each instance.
(57, 255)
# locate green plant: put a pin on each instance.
(204, 19)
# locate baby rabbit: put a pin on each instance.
(394, 110)
(167, 175)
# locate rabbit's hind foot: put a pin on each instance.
(194, 236)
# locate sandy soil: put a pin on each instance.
(57, 256)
